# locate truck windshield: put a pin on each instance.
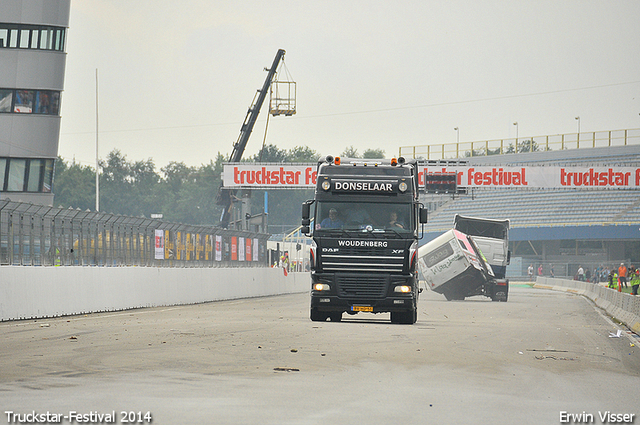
(364, 216)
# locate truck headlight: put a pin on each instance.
(321, 287)
(402, 187)
(326, 185)
(404, 289)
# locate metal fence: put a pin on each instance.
(595, 139)
(36, 235)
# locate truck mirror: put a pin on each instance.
(305, 230)
(306, 208)
(424, 215)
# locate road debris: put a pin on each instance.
(286, 369)
(615, 335)
(555, 358)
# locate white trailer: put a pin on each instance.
(453, 265)
(491, 237)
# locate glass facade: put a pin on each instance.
(33, 175)
(40, 37)
(21, 101)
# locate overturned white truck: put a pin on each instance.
(453, 264)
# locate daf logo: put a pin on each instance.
(330, 249)
(397, 251)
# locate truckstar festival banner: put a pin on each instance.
(284, 176)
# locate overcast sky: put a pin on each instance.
(176, 77)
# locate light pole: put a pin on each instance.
(578, 136)
(516, 124)
(457, 134)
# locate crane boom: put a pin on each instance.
(225, 195)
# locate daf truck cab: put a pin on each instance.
(364, 222)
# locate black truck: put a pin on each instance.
(364, 223)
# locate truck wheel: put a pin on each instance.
(335, 317)
(453, 296)
(500, 292)
(405, 317)
(318, 316)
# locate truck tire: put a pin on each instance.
(500, 292)
(335, 317)
(405, 317)
(318, 316)
(453, 296)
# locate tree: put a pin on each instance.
(350, 152)
(373, 154)
(269, 153)
(302, 154)
(74, 185)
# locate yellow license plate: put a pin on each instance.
(362, 308)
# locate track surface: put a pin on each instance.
(262, 361)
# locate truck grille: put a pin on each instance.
(357, 286)
(364, 260)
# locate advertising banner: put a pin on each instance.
(255, 249)
(218, 248)
(241, 248)
(248, 251)
(234, 248)
(159, 252)
(283, 176)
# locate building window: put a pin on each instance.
(6, 99)
(16, 175)
(47, 181)
(33, 178)
(24, 101)
(26, 175)
(3, 171)
(22, 36)
(46, 102)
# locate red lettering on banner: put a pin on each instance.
(310, 176)
(305, 176)
(497, 177)
(593, 178)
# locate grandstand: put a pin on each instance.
(566, 227)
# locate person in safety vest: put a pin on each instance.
(613, 279)
(634, 280)
(622, 274)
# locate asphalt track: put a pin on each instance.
(540, 356)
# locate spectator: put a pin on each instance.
(634, 280)
(530, 272)
(540, 270)
(551, 272)
(613, 278)
(581, 273)
(622, 275)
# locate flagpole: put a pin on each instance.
(97, 163)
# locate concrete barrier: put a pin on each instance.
(622, 306)
(37, 292)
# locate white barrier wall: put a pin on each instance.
(35, 292)
(622, 306)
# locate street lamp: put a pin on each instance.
(457, 134)
(578, 119)
(578, 136)
(516, 124)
